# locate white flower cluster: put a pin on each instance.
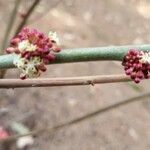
(25, 45)
(145, 58)
(28, 67)
(25, 141)
(53, 36)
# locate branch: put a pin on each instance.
(29, 12)
(10, 24)
(68, 81)
(44, 14)
(83, 54)
(8, 31)
(80, 119)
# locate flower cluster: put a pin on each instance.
(137, 64)
(33, 51)
(3, 133)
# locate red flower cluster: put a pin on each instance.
(3, 133)
(137, 64)
(34, 50)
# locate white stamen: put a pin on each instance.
(53, 36)
(26, 46)
(28, 67)
(145, 58)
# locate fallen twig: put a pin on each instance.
(67, 81)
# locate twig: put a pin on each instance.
(10, 25)
(68, 81)
(44, 14)
(83, 54)
(25, 19)
(8, 31)
(78, 120)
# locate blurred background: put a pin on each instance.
(81, 23)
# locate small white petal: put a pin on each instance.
(31, 48)
(145, 58)
(19, 62)
(26, 46)
(23, 45)
(54, 36)
(25, 141)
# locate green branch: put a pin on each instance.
(82, 54)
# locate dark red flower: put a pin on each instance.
(33, 49)
(137, 65)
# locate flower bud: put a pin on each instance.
(137, 65)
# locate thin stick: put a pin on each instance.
(44, 14)
(68, 81)
(8, 31)
(25, 19)
(80, 119)
(10, 25)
